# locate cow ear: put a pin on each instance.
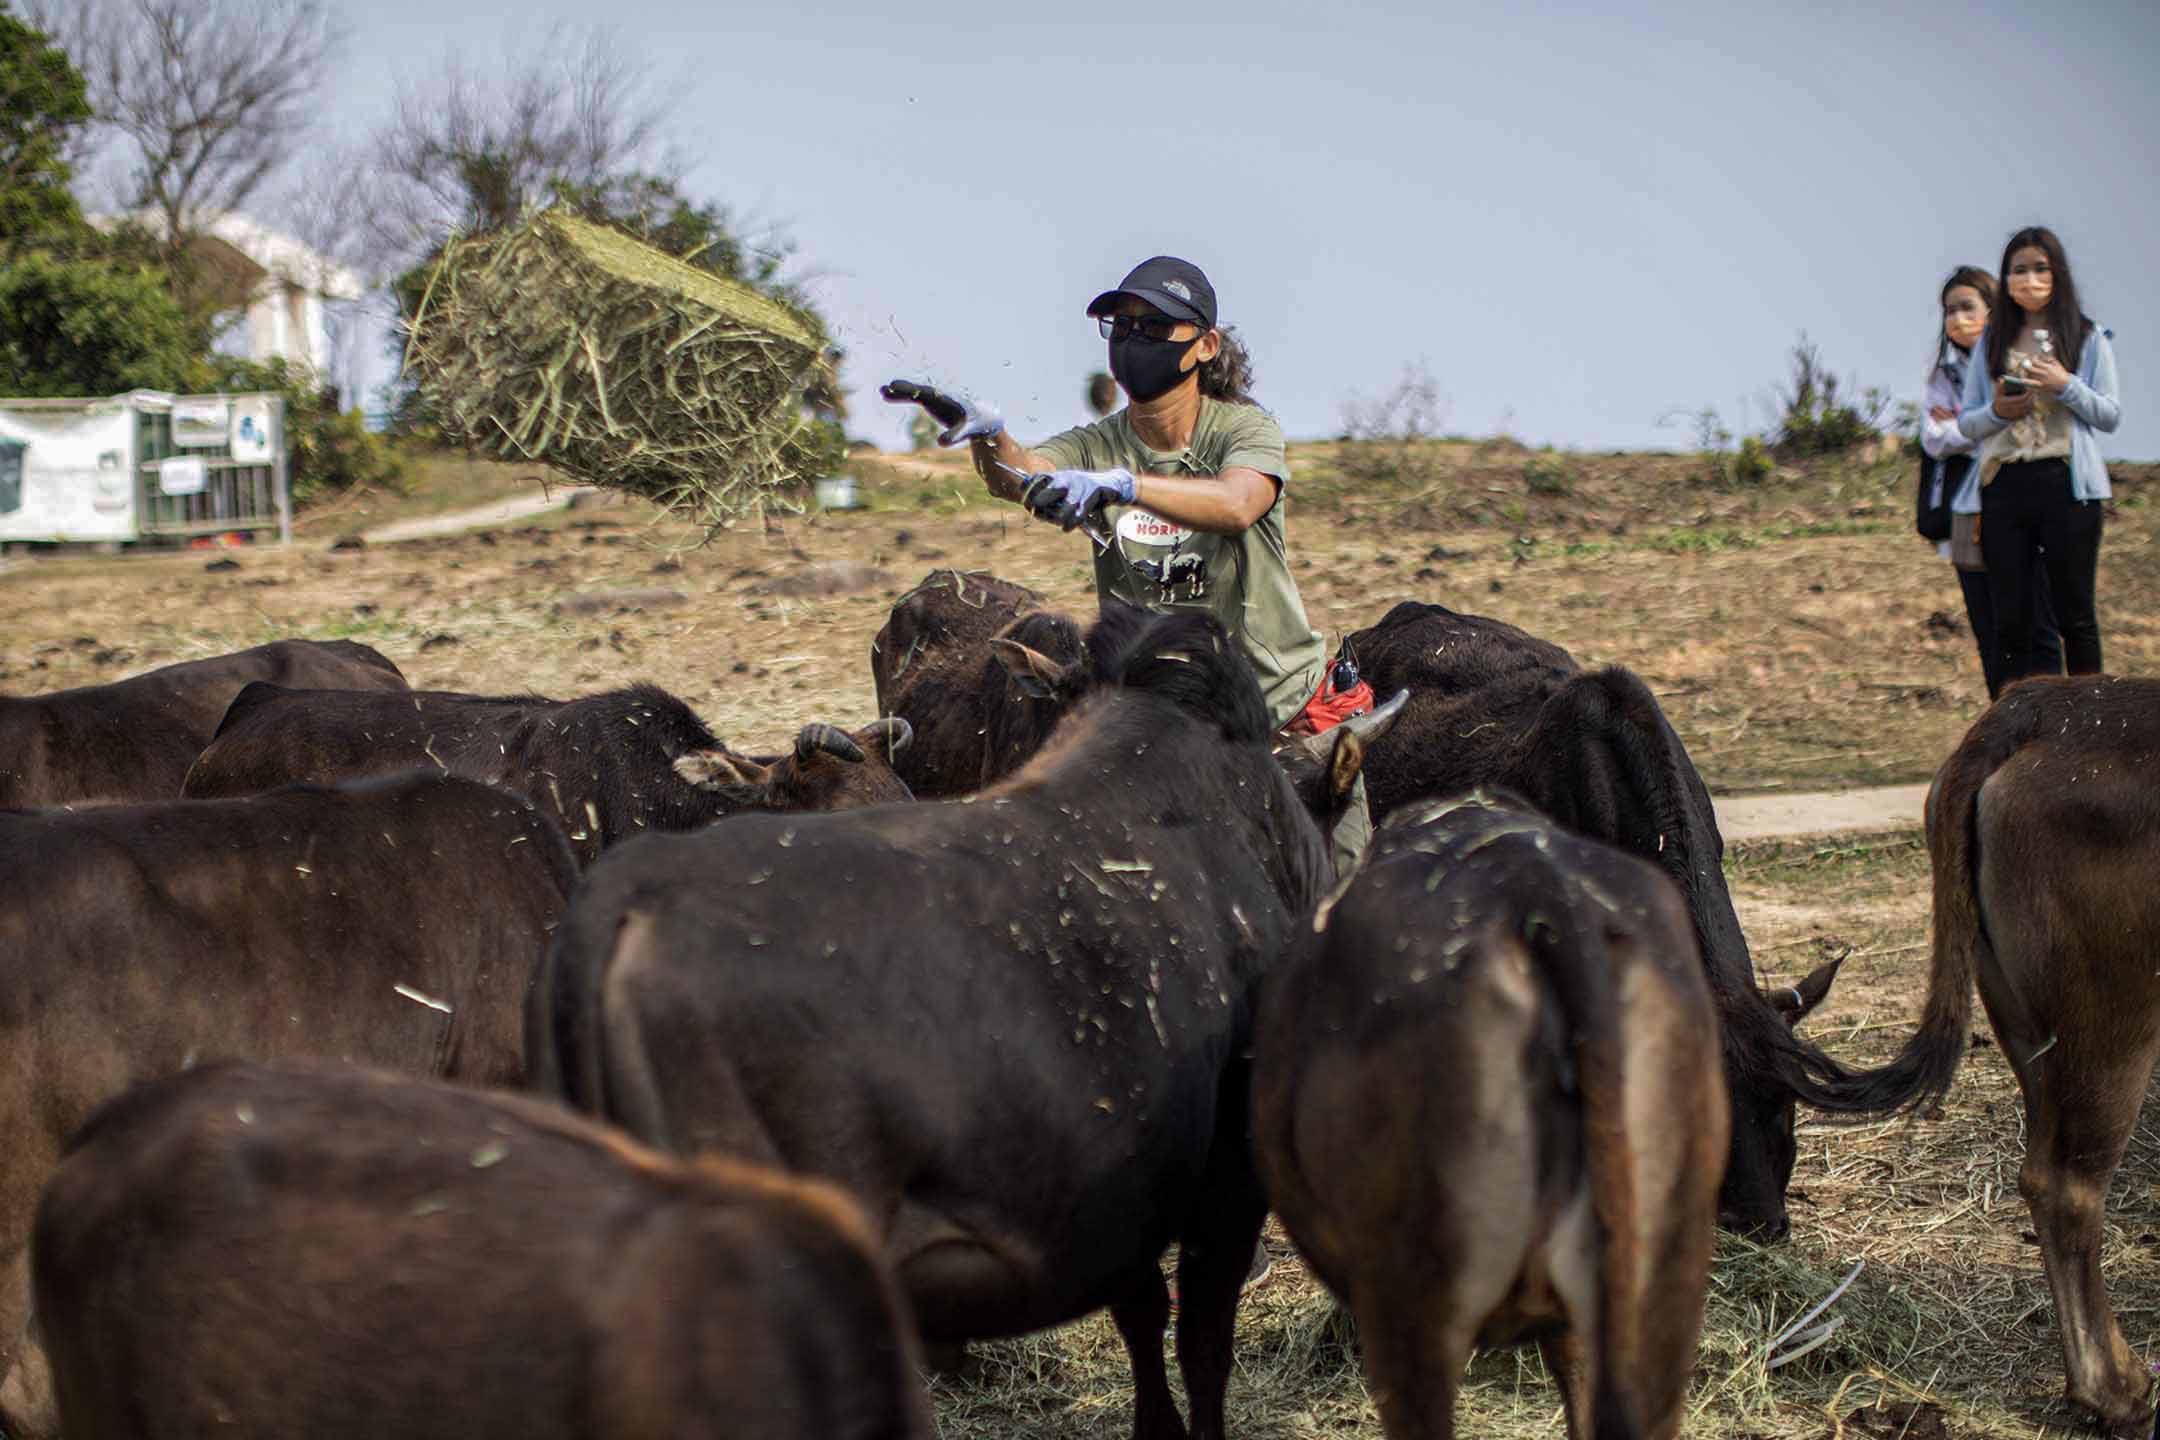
(1795, 1001)
(716, 769)
(1034, 674)
(1345, 762)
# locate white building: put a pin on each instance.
(280, 283)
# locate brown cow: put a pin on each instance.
(605, 767)
(134, 739)
(1489, 1107)
(936, 665)
(2044, 830)
(315, 1249)
(394, 922)
(1491, 705)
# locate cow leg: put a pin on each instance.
(26, 1396)
(1567, 1357)
(2079, 1118)
(1142, 1315)
(1415, 1363)
(1212, 1266)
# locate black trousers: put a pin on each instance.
(2029, 525)
(1980, 615)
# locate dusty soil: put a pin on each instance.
(1788, 657)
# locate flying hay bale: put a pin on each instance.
(568, 343)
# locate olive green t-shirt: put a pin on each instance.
(1242, 580)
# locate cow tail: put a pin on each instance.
(626, 1088)
(563, 1026)
(1921, 1073)
(1576, 966)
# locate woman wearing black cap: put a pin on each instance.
(1182, 489)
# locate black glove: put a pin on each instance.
(962, 417)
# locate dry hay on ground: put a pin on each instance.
(564, 342)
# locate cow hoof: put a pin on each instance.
(951, 1360)
(2122, 1416)
(26, 1397)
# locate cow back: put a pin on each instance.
(134, 739)
(495, 1265)
(392, 922)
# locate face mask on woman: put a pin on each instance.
(1148, 369)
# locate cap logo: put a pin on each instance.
(1179, 289)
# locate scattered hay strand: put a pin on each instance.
(562, 342)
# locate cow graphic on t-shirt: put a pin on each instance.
(1175, 569)
(1154, 549)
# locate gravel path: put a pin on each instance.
(1834, 812)
(501, 512)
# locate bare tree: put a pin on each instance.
(473, 151)
(209, 97)
(328, 203)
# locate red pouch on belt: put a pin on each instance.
(1329, 707)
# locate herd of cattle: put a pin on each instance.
(818, 1072)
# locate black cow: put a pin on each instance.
(1013, 1028)
(134, 739)
(605, 766)
(1489, 1106)
(315, 1249)
(936, 665)
(1493, 706)
(395, 922)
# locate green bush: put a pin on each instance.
(1816, 421)
(329, 449)
(1752, 465)
(1547, 475)
(89, 327)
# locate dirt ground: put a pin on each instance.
(1798, 635)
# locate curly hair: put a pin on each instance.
(1229, 376)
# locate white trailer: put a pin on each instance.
(143, 467)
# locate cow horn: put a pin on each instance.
(830, 739)
(1376, 723)
(894, 732)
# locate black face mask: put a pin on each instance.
(1148, 369)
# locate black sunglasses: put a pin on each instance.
(1157, 328)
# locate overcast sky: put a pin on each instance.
(1578, 221)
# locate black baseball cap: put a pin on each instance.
(1175, 287)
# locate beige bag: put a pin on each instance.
(1965, 543)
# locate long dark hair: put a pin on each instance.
(1229, 375)
(1968, 275)
(2066, 322)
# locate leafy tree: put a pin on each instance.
(43, 108)
(72, 326)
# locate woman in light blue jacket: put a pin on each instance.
(2042, 479)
